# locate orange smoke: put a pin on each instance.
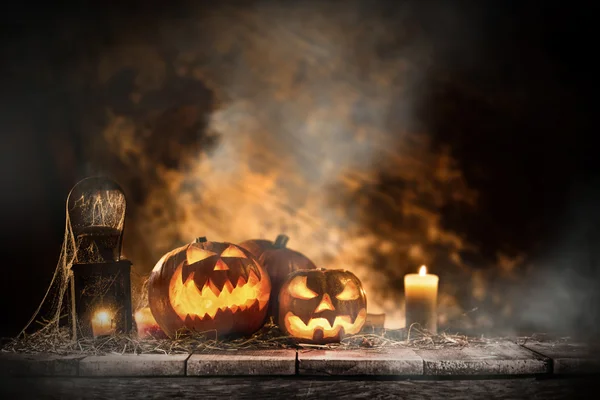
(313, 137)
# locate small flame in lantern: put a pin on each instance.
(102, 317)
(102, 323)
(423, 270)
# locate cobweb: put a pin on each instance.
(95, 209)
(55, 298)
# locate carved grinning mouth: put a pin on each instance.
(301, 330)
(191, 303)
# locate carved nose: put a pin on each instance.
(221, 266)
(325, 304)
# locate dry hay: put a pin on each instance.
(58, 341)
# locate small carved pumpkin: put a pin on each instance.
(279, 262)
(321, 306)
(209, 285)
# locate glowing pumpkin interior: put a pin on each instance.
(221, 290)
(311, 313)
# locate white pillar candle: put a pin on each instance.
(103, 323)
(420, 292)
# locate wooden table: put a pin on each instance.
(505, 368)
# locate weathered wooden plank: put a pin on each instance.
(569, 358)
(504, 358)
(19, 364)
(134, 365)
(265, 387)
(243, 362)
(359, 362)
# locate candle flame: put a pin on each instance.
(423, 270)
(102, 317)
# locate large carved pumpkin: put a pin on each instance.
(209, 285)
(321, 306)
(279, 262)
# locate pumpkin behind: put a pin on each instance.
(258, 246)
(279, 262)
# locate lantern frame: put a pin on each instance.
(100, 279)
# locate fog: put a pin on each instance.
(378, 136)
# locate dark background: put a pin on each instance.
(518, 117)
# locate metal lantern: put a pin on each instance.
(100, 281)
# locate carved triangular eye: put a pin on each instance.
(193, 254)
(299, 290)
(233, 251)
(350, 292)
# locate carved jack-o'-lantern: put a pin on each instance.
(209, 285)
(279, 262)
(321, 306)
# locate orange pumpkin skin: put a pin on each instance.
(209, 286)
(322, 306)
(258, 246)
(279, 262)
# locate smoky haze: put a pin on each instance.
(378, 135)
(314, 135)
(563, 295)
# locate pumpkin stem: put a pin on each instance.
(201, 239)
(281, 241)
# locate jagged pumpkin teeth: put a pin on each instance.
(213, 287)
(186, 271)
(241, 282)
(208, 285)
(254, 268)
(252, 278)
(208, 293)
(228, 287)
(336, 307)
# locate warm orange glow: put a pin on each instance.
(146, 324)
(220, 266)
(233, 251)
(350, 292)
(144, 315)
(102, 323)
(195, 254)
(325, 304)
(299, 329)
(187, 300)
(420, 293)
(102, 317)
(299, 290)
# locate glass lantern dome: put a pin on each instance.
(96, 210)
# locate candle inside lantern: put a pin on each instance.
(103, 323)
(146, 324)
(420, 291)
